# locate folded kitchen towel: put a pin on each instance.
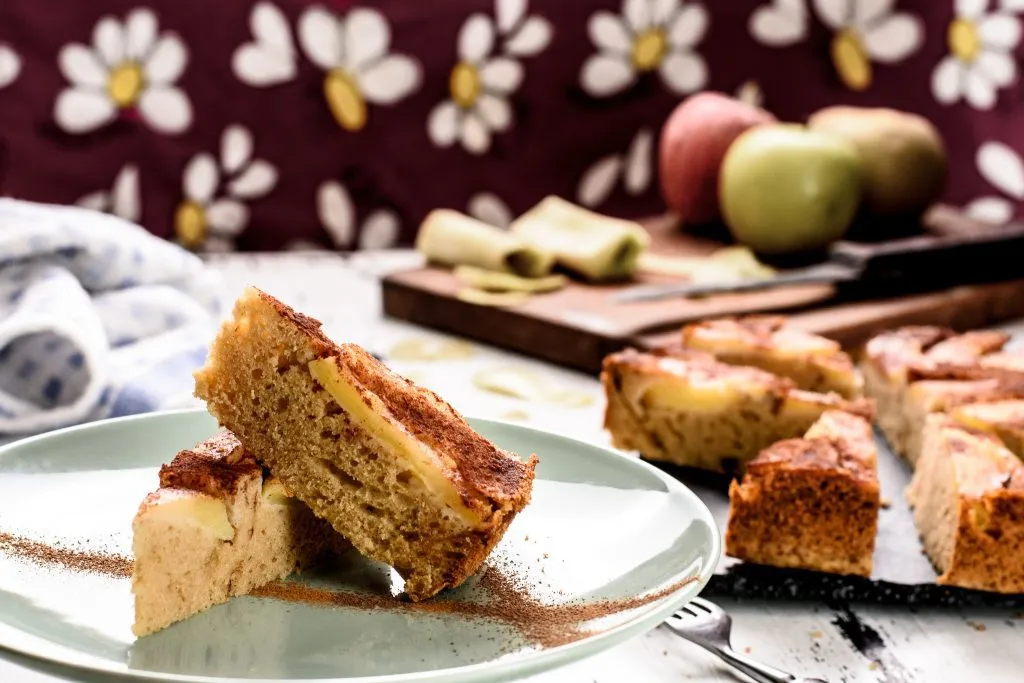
(98, 318)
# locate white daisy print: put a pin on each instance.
(130, 69)
(379, 230)
(212, 212)
(981, 55)
(1004, 170)
(525, 35)
(353, 51)
(10, 65)
(489, 208)
(122, 199)
(486, 76)
(269, 59)
(864, 31)
(635, 169)
(651, 35)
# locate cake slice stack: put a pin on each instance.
(392, 467)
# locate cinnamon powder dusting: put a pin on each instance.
(510, 603)
(510, 599)
(66, 558)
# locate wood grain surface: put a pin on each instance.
(576, 327)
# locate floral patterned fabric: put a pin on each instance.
(285, 123)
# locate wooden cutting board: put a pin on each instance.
(579, 325)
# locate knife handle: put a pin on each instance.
(991, 254)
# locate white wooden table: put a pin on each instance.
(866, 643)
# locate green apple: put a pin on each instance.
(786, 189)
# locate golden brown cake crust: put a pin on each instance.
(483, 468)
(217, 466)
(676, 361)
(814, 362)
(810, 503)
(899, 348)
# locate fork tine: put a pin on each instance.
(706, 605)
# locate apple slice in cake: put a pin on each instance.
(217, 528)
(391, 466)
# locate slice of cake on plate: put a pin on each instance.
(391, 466)
(968, 499)
(687, 408)
(813, 362)
(217, 528)
(810, 503)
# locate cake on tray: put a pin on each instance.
(913, 372)
(390, 465)
(217, 528)
(811, 502)
(687, 408)
(968, 499)
(813, 362)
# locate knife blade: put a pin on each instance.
(913, 263)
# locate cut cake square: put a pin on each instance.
(813, 362)
(810, 503)
(968, 499)
(687, 408)
(217, 528)
(391, 466)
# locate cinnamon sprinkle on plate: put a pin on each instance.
(71, 559)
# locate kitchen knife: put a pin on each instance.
(924, 263)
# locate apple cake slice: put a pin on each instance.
(810, 503)
(813, 362)
(968, 499)
(217, 528)
(951, 368)
(391, 466)
(687, 408)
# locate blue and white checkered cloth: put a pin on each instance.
(98, 318)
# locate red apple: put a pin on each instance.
(694, 141)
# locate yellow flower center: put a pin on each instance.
(464, 84)
(125, 84)
(964, 41)
(190, 224)
(345, 99)
(851, 60)
(649, 49)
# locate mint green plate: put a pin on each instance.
(600, 526)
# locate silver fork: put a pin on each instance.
(708, 625)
